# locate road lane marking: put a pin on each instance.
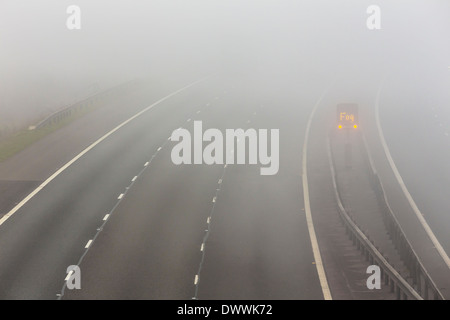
(134, 179)
(220, 181)
(205, 238)
(146, 164)
(196, 279)
(68, 276)
(106, 217)
(120, 196)
(309, 221)
(400, 181)
(88, 244)
(159, 149)
(214, 199)
(94, 144)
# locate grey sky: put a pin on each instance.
(44, 64)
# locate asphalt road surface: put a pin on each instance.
(150, 244)
(140, 227)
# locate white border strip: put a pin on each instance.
(312, 234)
(82, 153)
(408, 196)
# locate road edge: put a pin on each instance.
(309, 221)
(400, 181)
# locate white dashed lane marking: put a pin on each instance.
(68, 276)
(88, 244)
(106, 217)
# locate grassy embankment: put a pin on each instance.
(25, 137)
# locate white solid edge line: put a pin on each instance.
(400, 181)
(82, 153)
(309, 221)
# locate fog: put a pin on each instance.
(44, 65)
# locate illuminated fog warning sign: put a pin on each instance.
(347, 116)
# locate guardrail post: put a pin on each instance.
(425, 293)
(413, 269)
(419, 281)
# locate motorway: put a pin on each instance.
(150, 246)
(140, 227)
